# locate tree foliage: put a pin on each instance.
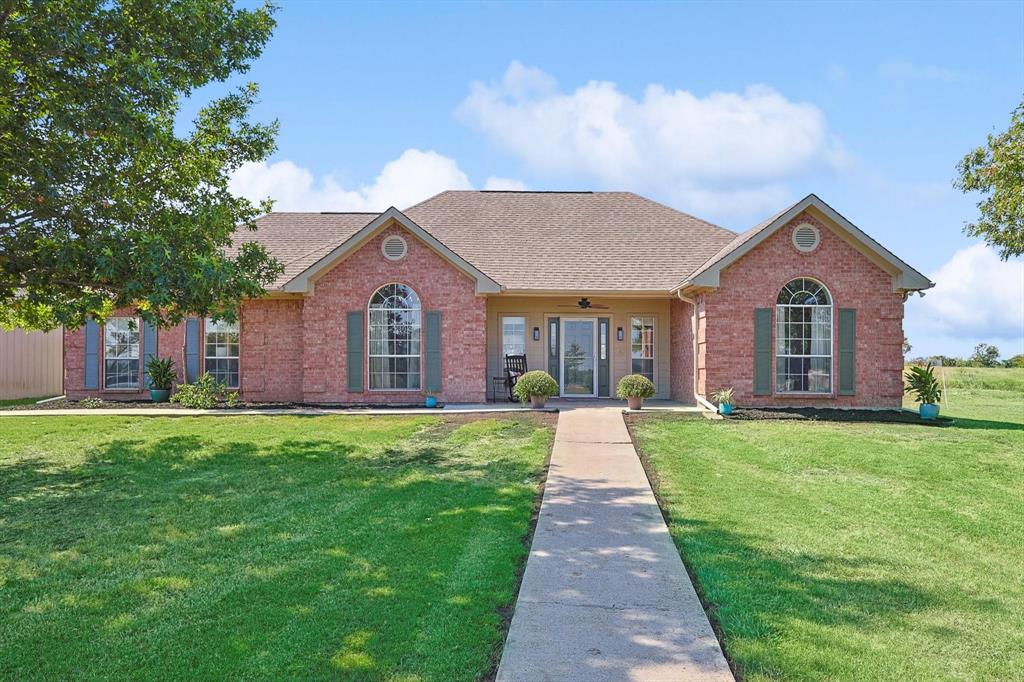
(102, 203)
(985, 355)
(997, 171)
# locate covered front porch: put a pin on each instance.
(587, 342)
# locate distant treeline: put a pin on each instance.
(985, 355)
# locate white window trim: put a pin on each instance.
(369, 374)
(832, 340)
(629, 344)
(103, 378)
(206, 322)
(501, 333)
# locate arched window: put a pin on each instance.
(394, 334)
(803, 338)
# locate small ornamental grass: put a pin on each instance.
(723, 396)
(536, 382)
(635, 386)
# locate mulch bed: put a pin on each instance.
(835, 415)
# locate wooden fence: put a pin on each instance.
(31, 364)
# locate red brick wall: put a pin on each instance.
(854, 281)
(681, 351)
(349, 286)
(271, 350)
(170, 342)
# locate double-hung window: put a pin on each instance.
(513, 335)
(221, 354)
(121, 367)
(395, 335)
(642, 346)
(803, 338)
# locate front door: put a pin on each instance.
(579, 366)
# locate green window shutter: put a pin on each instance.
(92, 355)
(847, 351)
(191, 349)
(148, 350)
(432, 341)
(762, 351)
(603, 357)
(553, 344)
(354, 347)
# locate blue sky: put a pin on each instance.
(729, 111)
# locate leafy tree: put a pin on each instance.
(997, 171)
(102, 203)
(1015, 361)
(985, 355)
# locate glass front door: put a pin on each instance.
(579, 367)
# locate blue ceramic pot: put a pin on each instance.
(725, 408)
(928, 410)
(431, 401)
(159, 395)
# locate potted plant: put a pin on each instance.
(161, 378)
(431, 401)
(724, 399)
(535, 386)
(634, 388)
(921, 382)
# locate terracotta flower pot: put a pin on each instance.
(538, 401)
(635, 402)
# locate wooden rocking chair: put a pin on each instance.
(515, 367)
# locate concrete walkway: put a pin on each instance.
(605, 595)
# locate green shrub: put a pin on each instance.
(536, 382)
(723, 396)
(161, 373)
(203, 394)
(921, 382)
(635, 386)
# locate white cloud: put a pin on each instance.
(977, 297)
(412, 177)
(902, 70)
(725, 151)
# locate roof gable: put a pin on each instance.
(303, 281)
(708, 274)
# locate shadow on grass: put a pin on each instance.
(308, 558)
(756, 596)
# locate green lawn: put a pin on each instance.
(261, 547)
(855, 551)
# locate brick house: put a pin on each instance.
(803, 309)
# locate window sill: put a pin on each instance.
(805, 394)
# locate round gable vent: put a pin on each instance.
(393, 247)
(806, 237)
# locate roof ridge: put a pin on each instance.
(688, 215)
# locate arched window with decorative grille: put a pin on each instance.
(803, 338)
(395, 332)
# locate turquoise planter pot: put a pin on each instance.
(725, 408)
(159, 395)
(431, 401)
(928, 411)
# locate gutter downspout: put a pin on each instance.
(693, 334)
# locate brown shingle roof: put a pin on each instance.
(297, 240)
(570, 240)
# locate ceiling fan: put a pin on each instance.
(584, 304)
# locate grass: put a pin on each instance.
(855, 551)
(261, 547)
(11, 402)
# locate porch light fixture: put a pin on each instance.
(536, 333)
(618, 334)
